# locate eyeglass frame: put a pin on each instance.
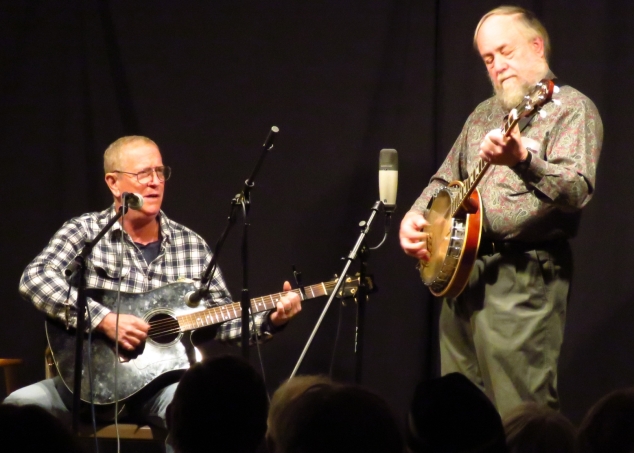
(151, 175)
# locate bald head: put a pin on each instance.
(527, 23)
(113, 156)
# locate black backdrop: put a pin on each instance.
(341, 79)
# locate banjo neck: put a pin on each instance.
(536, 98)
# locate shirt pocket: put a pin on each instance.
(107, 270)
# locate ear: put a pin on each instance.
(537, 44)
(111, 180)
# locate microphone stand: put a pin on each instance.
(76, 272)
(242, 199)
(362, 294)
(361, 298)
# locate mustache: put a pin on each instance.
(510, 96)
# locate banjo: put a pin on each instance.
(455, 213)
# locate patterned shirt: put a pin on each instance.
(543, 201)
(183, 255)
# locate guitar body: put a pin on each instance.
(168, 349)
(452, 241)
(158, 361)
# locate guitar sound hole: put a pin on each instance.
(164, 329)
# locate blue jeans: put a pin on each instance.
(52, 395)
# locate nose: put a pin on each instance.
(499, 64)
(155, 181)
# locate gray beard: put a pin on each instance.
(510, 97)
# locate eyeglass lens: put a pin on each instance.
(162, 173)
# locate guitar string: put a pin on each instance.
(171, 326)
(223, 309)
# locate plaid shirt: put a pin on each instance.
(183, 254)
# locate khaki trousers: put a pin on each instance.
(505, 331)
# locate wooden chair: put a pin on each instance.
(10, 367)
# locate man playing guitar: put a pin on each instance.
(156, 251)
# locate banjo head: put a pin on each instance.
(439, 232)
(453, 241)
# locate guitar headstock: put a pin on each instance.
(351, 285)
(539, 95)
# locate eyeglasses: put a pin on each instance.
(144, 176)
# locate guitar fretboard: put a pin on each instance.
(231, 311)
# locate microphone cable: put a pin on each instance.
(336, 345)
(93, 417)
(90, 380)
(387, 224)
(116, 330)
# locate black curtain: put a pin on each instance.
(206, 80)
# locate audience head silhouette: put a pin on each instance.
(282, 398)
(609, 424)
(222, 403)
(31, 429)
(338, 419)
(532, 427)
(451, 415)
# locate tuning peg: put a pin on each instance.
(543, 113)
(555, 89)
(556, 102)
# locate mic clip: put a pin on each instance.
(193, 298)
(388, 208)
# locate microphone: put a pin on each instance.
(388, 179)
(132, 200)
(268, 143)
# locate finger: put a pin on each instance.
(413, 247)
(483, 156)
(131, 331)
(139, 324)
(412, 235)
(287, 286)
(138, 334)
(495, 136)
(283, 309)
(421, 223)
(424, 255)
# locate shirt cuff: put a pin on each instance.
(268, 327)
(522, 166)
(97, 313)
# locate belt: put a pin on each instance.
(491, 247)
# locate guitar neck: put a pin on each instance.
(227, 312)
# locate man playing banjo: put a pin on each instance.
(505, 330)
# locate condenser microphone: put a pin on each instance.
(132, 200)
(388, 179)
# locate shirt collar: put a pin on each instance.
(164, 224)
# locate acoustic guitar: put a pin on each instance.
(167, 351)
(455, 213)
